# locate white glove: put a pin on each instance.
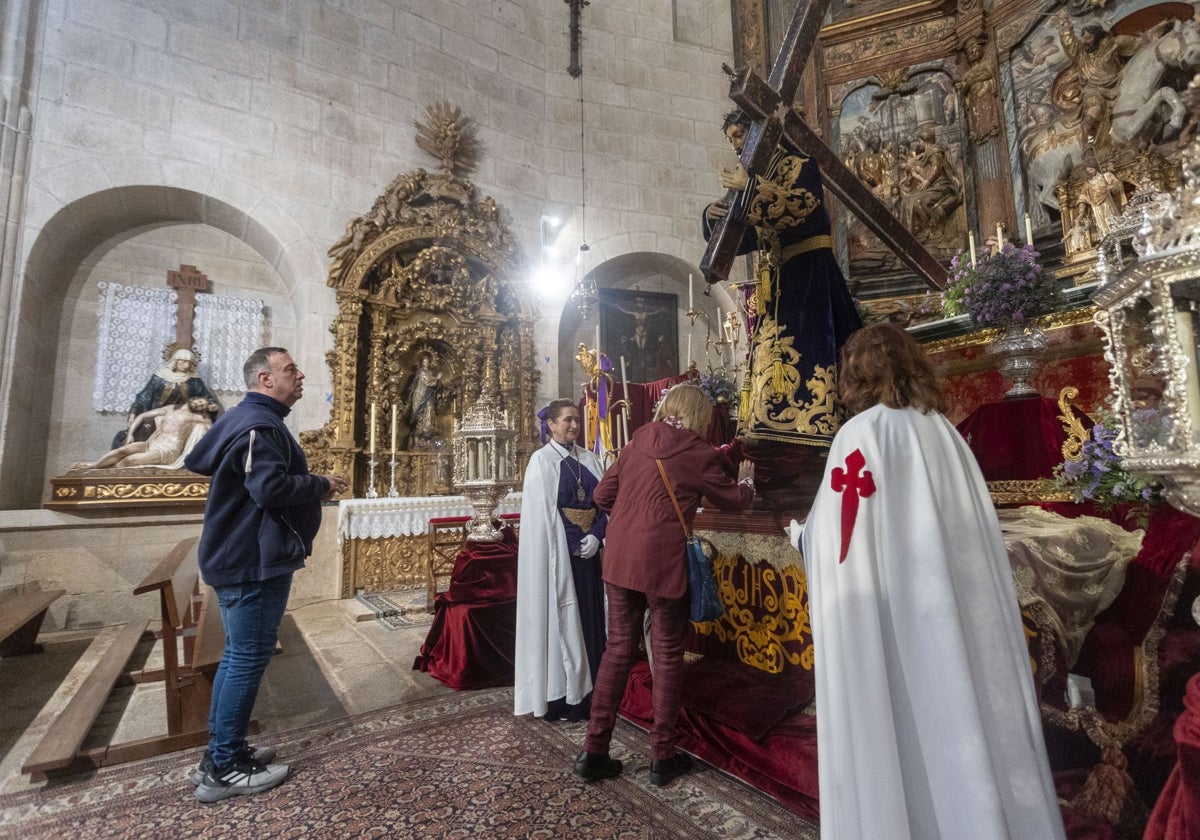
(588, 547)
(794, 532)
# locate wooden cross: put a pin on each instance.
(768, 104)
(186, 282)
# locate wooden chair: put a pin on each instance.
(445, 539)
(21, 615)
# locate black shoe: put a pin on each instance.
(668, 769)
(593, 768)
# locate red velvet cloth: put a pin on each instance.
(644, 396)
(1107, 654)
(782, 764)
(1176, 816)
(473, 637)
(1016, 440)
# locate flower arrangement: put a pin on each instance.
(1002, 289)
(719, 387)
(1099, 475)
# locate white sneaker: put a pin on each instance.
(242, 778)
(262, 755)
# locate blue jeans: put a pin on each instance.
(251, 613)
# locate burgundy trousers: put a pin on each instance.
(668, 626)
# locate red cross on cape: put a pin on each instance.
(853, 483)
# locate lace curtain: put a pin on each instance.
(227, 330)
(136, 322)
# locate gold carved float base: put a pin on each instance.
(127, 489)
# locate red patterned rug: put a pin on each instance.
(453, 766)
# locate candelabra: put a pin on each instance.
(728, 342)
(372, 493)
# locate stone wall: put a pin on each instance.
(276, 123)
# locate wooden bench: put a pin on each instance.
(192, 641)
(21, 616)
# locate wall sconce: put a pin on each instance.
(1149, 317)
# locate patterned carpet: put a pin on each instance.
(458, 766)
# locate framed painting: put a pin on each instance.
(640, 327)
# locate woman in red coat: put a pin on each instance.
(644, 567)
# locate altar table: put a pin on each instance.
(382, 542)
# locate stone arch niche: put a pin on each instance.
(426, 278)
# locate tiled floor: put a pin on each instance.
(332, 664)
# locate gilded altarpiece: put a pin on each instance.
(426, 304)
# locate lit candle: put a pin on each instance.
(371, 441)
(690, 305)
(971, 243)
(999, 235)
(393, 431)
(1028, 229)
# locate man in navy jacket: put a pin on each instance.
(263, 511)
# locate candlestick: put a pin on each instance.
(371, 442)
(690, 305)
(971, 242)
(393, 429)
(1028, 229)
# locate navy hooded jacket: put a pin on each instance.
(264, 507)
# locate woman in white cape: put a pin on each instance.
(560, 594)
(927, 721)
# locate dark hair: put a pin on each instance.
(1095, 30)
(735, 117)
(557, 407)
(259, 361)
(881, 363)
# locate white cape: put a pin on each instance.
(550, 660)
(927, 722)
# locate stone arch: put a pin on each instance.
(64, 239)
(649, 271)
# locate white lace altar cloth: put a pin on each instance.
(226, 331)
(369, 519)
(136, 322)
(1074, 567)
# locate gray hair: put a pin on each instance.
(259, 361)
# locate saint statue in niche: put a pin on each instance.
(421, 402)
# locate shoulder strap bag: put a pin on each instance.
(705, 602)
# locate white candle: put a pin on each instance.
(999, 235)
(971, 243)
(597, 348)
(624, 381)
(1028, 229)
(690, 305)
(721, 321)
(371, 442)
(689, 356)
(393, 431)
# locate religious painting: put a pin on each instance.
(639, 327)
(1104, 85)
(904, 136)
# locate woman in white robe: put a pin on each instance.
(927, 723)
(560, 600)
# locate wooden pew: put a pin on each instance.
(21, 616)
(192, 640)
